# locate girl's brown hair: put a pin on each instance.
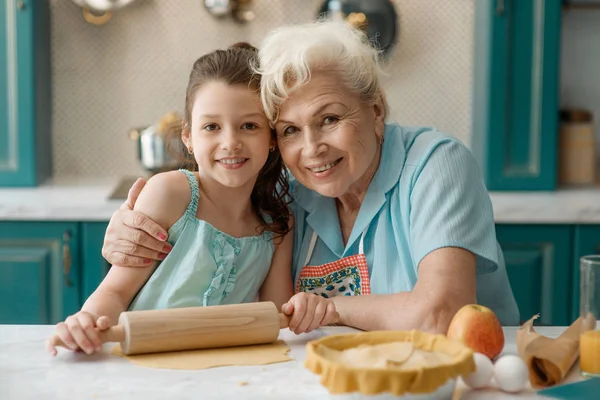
(233, 67)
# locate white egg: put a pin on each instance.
(511, 373)
(484, 370)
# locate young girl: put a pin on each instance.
(228, 222)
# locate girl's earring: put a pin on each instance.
(381, 139)
(272, 149)
(190, 150)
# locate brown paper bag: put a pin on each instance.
(549, 360)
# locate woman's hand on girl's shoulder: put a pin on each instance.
(309, 312)
(79, 332)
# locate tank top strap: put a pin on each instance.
(193, 206)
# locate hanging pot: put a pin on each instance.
(99, 12)
(377, 18)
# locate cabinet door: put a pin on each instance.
(39, 272)
(587, 242)
(95, 266)
(25, 76)
(515, 105)
(538, 260)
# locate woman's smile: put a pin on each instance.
(324, 170)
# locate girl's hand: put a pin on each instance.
(80, 332)
(309, 311)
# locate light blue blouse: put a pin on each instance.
(206, 266)
(428, 193)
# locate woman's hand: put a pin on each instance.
(80, 332)
(132, 239)
(309, 311)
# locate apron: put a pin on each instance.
(348, 276)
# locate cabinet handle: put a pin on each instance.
(67, 260)
(499, 7)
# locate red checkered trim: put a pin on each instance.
(358, 260)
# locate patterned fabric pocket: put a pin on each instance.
(348, 276)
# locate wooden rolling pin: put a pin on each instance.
(192, 328)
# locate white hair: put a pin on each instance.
(288, 56)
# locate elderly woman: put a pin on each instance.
(393, 223)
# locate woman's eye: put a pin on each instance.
(289, 130)
(330, 120)
(211, 127)
(249, 126)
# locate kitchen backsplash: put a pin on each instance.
(128, 73)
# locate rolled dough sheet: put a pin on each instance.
(208, 358)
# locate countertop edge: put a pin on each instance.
(87, 200)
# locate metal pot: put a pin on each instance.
(99, 12)
(159, 145)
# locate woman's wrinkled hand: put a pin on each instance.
(79, 332)
(309, 311)
(132, 239)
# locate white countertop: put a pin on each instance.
(28, 372)
(62, 200)
(87, 200)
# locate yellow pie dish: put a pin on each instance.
(407, 364)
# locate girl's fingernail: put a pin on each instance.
(162, 256)
(167, 248)
(162, 236)
(147, 261)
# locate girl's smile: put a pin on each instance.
(232, 163)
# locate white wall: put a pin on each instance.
(128, 73)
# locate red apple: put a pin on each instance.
(477, 327)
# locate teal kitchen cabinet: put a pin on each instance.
(587, 242)
(515, 98)
(25, 93)
(39, 272)
(538, 260)
(95, 266)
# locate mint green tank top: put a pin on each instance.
(206, 266)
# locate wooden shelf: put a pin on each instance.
(569, 7)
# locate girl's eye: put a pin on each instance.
(330, 120)
(289, 130)
(249, 126)
(211, 127)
